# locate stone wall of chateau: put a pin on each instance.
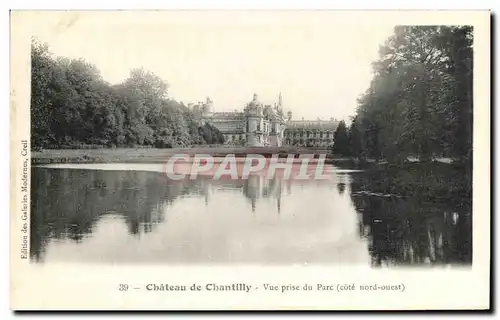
(256, 125)
(231, 124)
(306, 133)
(265, 125)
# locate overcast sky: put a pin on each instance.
(319, 61)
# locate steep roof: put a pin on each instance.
(312, 124)
(228, 115)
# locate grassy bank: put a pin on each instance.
(151, 155)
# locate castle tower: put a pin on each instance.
(253, 116)
(277, 124)
(207, 107)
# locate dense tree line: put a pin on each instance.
(72, 106)
(420, 99)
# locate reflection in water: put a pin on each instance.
(140, 216)
(68, 203)
(341, 187)
(415, 216)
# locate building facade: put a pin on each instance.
(260, 125)
(256, 126)
(306, 133)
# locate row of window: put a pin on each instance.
(266, 128)
(235, 137)
(238, 138)
(308, 143)
(308, 134)
(230, 137)
(309, 140)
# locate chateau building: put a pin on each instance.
(265, 125)
(306, 133)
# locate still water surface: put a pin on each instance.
(134, 214)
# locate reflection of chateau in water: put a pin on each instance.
(253, 188)
(68, 203)
(259, 187)
(71, 204)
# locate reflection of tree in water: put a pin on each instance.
(429, 222)
(66, 203)
(341, 187)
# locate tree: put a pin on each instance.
(341, 140)
(456, 43)
(43, 93)
(354, 139)
(210, 134)
(72, 106)
(419, 101)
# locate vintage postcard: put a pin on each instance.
(250, 160)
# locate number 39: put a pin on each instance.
(123, 287)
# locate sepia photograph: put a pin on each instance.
(251, 139)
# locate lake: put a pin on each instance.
(134, 214)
